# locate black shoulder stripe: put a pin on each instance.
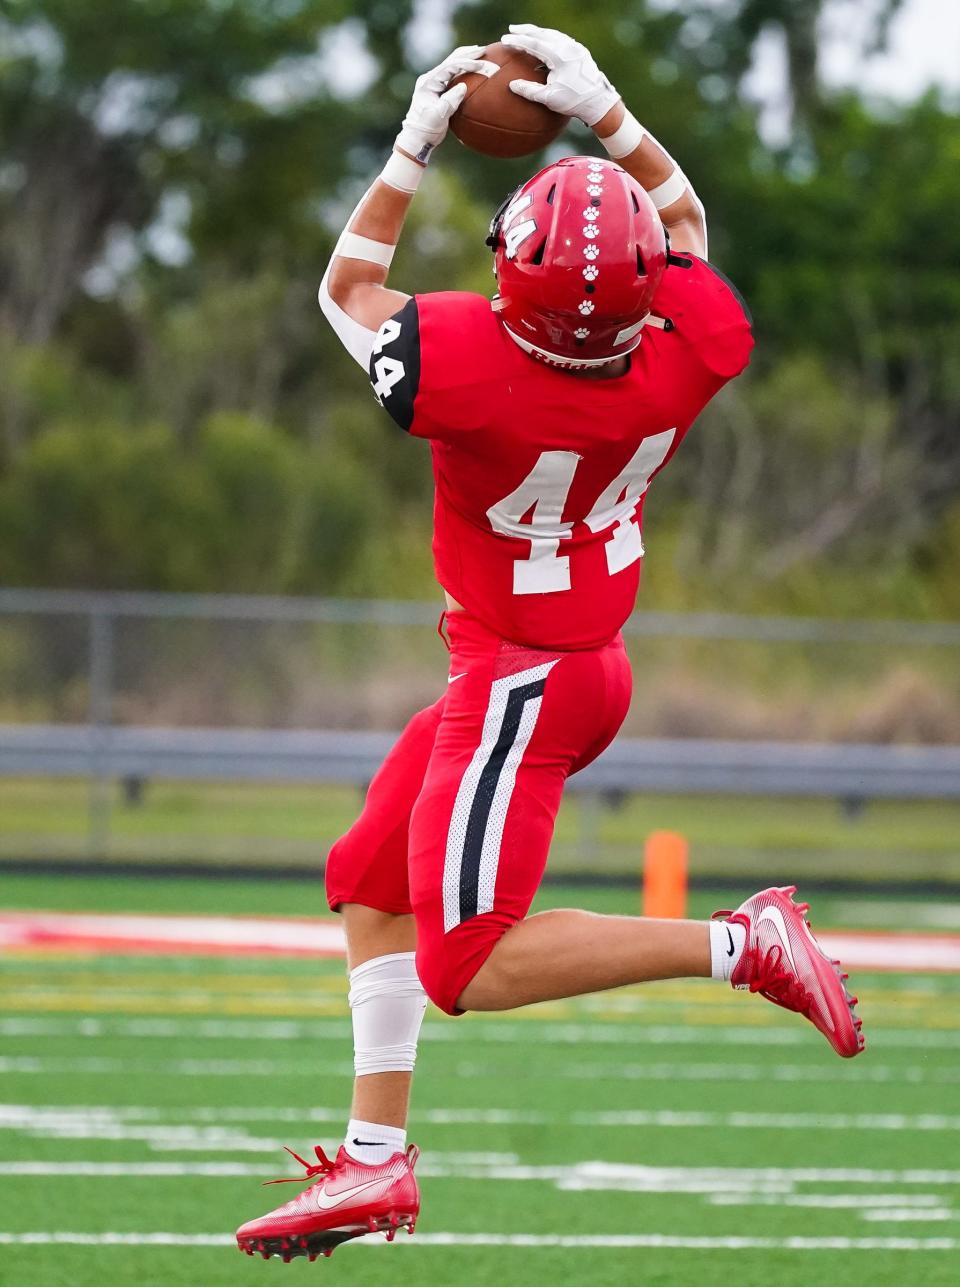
(395, 363)
(733, 290)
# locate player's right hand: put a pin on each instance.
(575, 86)
(428, 117)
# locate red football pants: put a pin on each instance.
(458, 820)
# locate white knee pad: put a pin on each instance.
(388, 1004)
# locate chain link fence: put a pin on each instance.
(210, 662)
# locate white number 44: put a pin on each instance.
(545, 490)
(389, 371)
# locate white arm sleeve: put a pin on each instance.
(356, 339)
(703, 218)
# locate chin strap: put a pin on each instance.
(561, 361)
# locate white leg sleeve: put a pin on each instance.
(388, 1003)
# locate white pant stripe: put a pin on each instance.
(500, 691)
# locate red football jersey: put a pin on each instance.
(540, 473)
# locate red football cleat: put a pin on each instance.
(350, 1199)
(784, 963)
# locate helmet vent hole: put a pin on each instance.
(636, 203)
(551, 194)
(538, 253)
(641, 266)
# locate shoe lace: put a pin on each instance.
(322, 1166)
(772, 981)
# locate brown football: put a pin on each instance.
(492, 119)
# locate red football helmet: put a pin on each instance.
(579, 252)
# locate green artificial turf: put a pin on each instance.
(188, 1061)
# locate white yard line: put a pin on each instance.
(910, 1074)
(828, 1201)
(40, 1065)
(776, 1121)
(576, 1176)
(908, 1216)
(173, 1067)
(648, 1241)
(722, 1186)
(668, 1119)
(57, 1118)
(520, 1031)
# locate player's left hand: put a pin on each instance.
(575, 86)
(428, 117)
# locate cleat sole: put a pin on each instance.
(326, 1241)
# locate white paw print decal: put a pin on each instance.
(595, 167)
(586, 307)
(582, 332)
(591, 252)
(591, 272)
(591, 230)
(591, 214)
(594, 190)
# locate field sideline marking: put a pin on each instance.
(200, 935)
(214, 935)
(590, 1241)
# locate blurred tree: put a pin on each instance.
(737, 28)
(97, 506)
(168, 197)
(95, 129)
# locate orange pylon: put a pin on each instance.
(665, 875)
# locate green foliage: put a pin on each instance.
(104, 507)
(94, 505)
(174, 412)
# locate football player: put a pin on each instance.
(549, 410)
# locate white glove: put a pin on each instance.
(575, 86)
(428, 118)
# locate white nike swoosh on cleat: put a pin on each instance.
(775, 917)
(327, 1202)
(453, 678)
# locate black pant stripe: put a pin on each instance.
(485, 792)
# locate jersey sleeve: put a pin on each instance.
(428, 368)
(709, 317)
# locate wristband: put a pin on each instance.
(414, 144)
(626, 138)
(402, 173)
(669, 191)
(352, 246)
